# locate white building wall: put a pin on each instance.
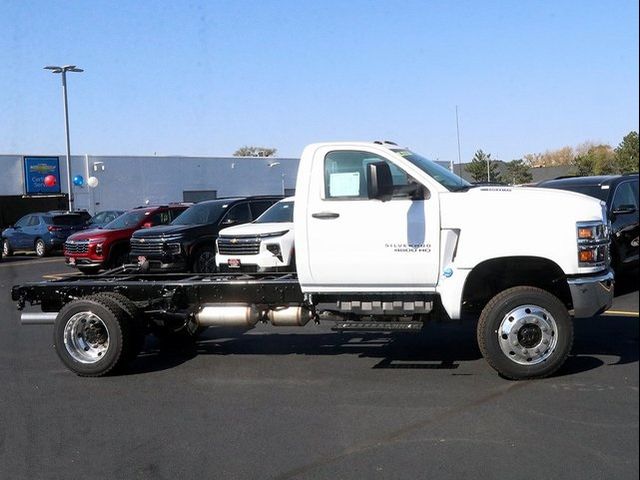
(127, 182)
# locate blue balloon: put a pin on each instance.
(78, 180)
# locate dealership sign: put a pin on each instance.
(41, 175)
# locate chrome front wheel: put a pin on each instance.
(527, 334)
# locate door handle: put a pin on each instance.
(325, 215)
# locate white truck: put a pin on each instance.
(385, 240)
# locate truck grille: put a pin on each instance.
(76, 246)
(146, 246)
(239, 246)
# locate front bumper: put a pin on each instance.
(591, 295)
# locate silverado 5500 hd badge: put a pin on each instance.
(409, 247)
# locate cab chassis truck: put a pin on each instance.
(385, 240)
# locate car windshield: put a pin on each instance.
(444, 177)
(128, 220)
(591, 190)
(201, 214)
(279, 213)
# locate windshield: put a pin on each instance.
(281, 212)
(128, 220)
(444, 177)
(201, 214)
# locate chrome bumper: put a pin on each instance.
(591, 295)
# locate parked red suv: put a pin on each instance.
(108, 246)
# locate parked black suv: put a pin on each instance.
(620, 192)
(188, 242)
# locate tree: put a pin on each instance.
(251, 151)
(518, 172)
(597, 160)
(626, 154)
(478, 168)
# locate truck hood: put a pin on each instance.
(169, 230)
(96, 233)
(256, 229)
(518, 221)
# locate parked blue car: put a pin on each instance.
(41, 232)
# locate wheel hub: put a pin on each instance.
(86, 337)
(528, 335)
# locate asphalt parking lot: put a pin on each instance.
(309, 403)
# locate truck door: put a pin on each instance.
(354, 241)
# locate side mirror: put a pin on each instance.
(229, 221)
(624, 209)
(379, 181)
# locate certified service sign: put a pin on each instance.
(36, 170)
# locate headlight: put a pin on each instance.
(272, 234)
(593, 244)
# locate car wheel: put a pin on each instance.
(41, 248)
(204, 261)
(525, 332)
(7, 251)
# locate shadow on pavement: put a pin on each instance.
(439, 346)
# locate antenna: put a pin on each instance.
(458, 133)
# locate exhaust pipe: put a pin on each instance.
(228, 315)
(44, 318)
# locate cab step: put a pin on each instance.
(377, 326)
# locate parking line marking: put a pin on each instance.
(623, 313)
(31, 262)
(58, 276)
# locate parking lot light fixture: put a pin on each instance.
(63, 70)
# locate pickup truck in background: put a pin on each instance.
(264, 245)
(188, 243)
(385, 240)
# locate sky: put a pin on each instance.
(206, 77)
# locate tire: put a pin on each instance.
(41, 248)
(7, 251)
(204, 261)
(134, 326)
(89, 270)
(96, 350)
(120, 257)
(524, 333)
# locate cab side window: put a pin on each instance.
(345, 174)
(238, 214)
(625, 196)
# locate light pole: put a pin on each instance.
(63, 70)
(275, 164)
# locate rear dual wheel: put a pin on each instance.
(525, 332)
(96, 335)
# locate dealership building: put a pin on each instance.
(124, 182)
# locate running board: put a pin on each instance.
(378, 326)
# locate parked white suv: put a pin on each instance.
(264, 245)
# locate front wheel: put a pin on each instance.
(204, 261)
(525, 332)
